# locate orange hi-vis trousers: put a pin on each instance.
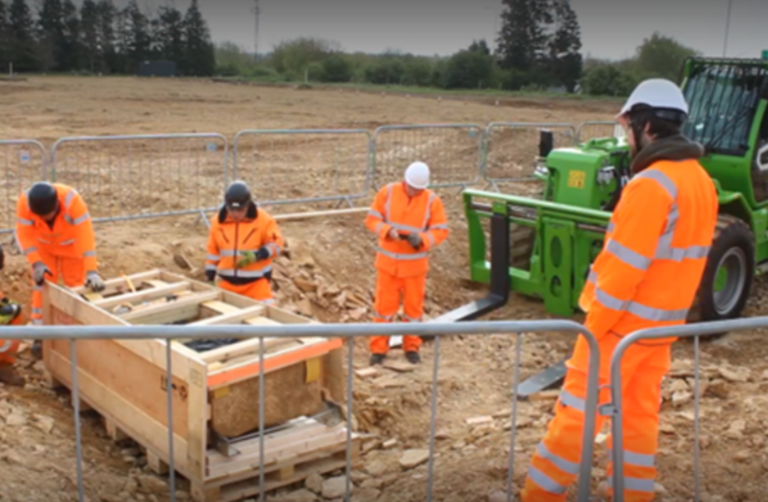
(70, 270)
(389, 291)
(259, 290)
(9, 347)
(555, 465)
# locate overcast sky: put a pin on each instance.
(609, 28)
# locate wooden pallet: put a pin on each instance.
(215, 392)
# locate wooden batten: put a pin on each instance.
(142, 296)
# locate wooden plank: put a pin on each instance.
(109, 363)
(262, 321)
(181, 314)
(235, 317)
(238, 300)
(148, 313)
(140, 296)
(229, 375)
(156, 284)
(240, 349)
(298, 445)
(318, 462)
(319, 214)
(197, 406)
(221, 307)
(119, 284)
(285, 317)
(124, 414)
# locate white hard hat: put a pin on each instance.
(656, 93)
(417, 175)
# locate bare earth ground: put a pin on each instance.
(332, 254)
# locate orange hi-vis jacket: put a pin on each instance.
(227, 241)
(655, 251)
(70, 235)
(424, 214)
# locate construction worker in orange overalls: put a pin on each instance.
(646, 276)
(409, 220)
(10, 314)
(55, 232)
(242, 243)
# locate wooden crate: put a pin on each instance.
(215, 391)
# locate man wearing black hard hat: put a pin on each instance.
(242, 243)
(56, 235)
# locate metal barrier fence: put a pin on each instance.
(454, 153)
(511, 149)
(23, 161)
(349, 331)
(614, 408)
(143, 176)
(596, 129)
(304, 165)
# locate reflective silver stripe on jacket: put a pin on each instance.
(636, 308)
(246, 274)
(399, 256)
(6, 346)
(229, 253)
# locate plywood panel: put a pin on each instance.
(131, 377)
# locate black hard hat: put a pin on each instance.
(42, 198)
(238, 195)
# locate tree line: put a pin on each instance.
(100, 38)
(538, 47)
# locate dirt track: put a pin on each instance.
(475, 373)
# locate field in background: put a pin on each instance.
(337, 252)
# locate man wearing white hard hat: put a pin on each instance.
(646, 276)
(409, 220)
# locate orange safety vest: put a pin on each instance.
(425, 214)
(227, 240)
(70, 235)
(655, 251)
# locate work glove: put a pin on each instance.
(39, 270)
(249, 257)
(414, 240)
(94, 281)
(210, 275)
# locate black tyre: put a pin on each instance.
(727, 280)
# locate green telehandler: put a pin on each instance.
(555, 238)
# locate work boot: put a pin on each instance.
(413, 357)
(377, 359)
(9, 376)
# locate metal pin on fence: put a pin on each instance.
(78, 439)
(169, 391)
(515, 382)
(350, 383)
(433, 421)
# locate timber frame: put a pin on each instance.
(215, 392)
